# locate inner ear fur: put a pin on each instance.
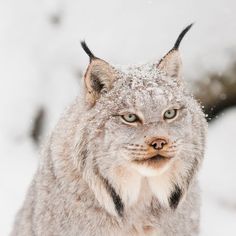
(98, 78)
(171, 64)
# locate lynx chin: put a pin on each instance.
(123, 159)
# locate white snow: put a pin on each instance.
(218, 178)
(18, 163)
(41, 63)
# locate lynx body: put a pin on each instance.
(123, 158)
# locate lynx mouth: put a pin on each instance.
(153, 165)
(154, 159)
(157, 158)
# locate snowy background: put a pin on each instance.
(41, 63)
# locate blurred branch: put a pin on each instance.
(37, 128)
(216, 92)
(55, 19)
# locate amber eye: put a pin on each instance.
(130, 118)
(170, 114)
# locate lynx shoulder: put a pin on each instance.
(123, 159)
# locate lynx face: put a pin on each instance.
(147, 121)
(139, 122)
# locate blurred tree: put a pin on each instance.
(216, 92)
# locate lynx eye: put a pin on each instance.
(170, 114)
(131, 118)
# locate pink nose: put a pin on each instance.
(159, 143)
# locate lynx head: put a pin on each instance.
(141, 119)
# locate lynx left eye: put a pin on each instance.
(130, 118)
(170, 114)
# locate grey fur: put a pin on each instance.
(88, 182)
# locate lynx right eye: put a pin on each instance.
(130, 118)
(170, 114)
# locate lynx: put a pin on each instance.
(123, 159)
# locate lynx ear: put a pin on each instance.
(98, 77)
(171, 63)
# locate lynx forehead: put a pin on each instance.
(123, 158)
(140, 89)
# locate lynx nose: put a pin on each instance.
(159, 143)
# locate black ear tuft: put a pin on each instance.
(175, 197)
(182, 34)
(87, 50)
